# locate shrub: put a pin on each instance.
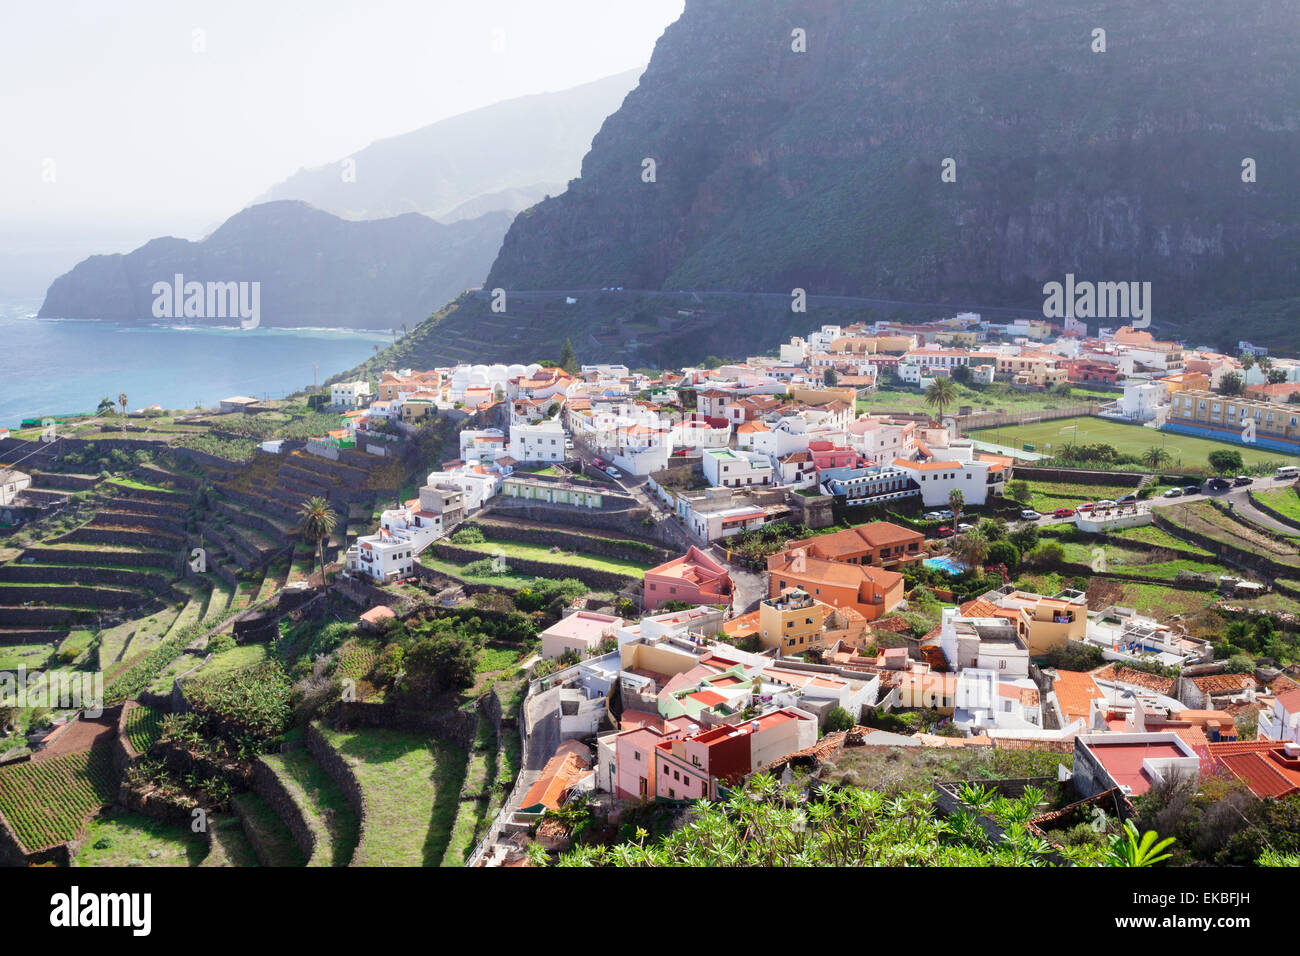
(838, 719)
(470, 535)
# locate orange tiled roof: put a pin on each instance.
(1074, 692)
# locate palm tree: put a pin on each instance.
(122, 400)
(1155, 457)
(940, 394)
(1247, 360)
(957, 503)
(318, 521)
(971, 548)
(105, 405)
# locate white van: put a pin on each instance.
(1288, 471)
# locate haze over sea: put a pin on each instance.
(61, 367)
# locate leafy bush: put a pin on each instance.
(469, 535)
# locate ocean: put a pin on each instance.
(63, 367)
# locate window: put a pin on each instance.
(636, 754)
(665, 770)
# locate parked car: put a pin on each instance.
(1063, 513)
(1173, 493)
(945, 532)
(613, 472)
(1085, 508)
(1220, 484)
(1128, 499)
(945, 513)
(598, 462)
(933, 516)
(1192, 490)
(1104, 504)
(1241, 480)
(1029, 514)
(963, 527)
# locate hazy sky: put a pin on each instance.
(182, 112)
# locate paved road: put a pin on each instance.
(1238, 497)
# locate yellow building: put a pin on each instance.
(824, 395)
(1187, 381)
(792, 622)
(1044, 623)
(958, 338)
(922, 687)
(1042, 376)
(1192, 408)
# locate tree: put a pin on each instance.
(1019, 490)
(941, 393)
(318, 521)
(106, 404)
(1064, 389)
(1154, 458)
(1004, 552)
(569, 358)
(1232, 384)
(957, 502)
(830, 378)
(1247, 360)
(1226, 461)
(1276, 376)
(837, 718)
(446, 662)
(960, 374)
(122, 400)
(971, 548)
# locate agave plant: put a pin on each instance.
(1130, 849)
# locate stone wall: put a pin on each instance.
(340, 772)
(267, 785)
(1079, 476)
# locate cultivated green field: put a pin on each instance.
(412, 787)
(1127, 439)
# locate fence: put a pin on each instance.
(994, 419)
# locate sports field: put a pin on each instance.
(1049, 436)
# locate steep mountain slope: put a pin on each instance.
(315, 269)
(822, 169)
(504, 156)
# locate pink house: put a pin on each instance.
(694, 578)
(634, 758)
(829, 455)
(581, 633)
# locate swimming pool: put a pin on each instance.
(950, 565)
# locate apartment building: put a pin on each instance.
(1235, 418)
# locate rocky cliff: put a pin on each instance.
(823, 169)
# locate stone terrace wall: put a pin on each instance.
(268, 786)
(340, 772)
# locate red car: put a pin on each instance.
(1084, 509)
(598, 462)
(945, 532)
(1063, 513)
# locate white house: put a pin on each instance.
(988, 700)
(938, 479)
(727, 468)
(541, 442)
(483, 445)
(12, 483)
(1142, 400)
(349, 394)
(477, 483)
(1283, 721)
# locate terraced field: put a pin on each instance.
(130, 839)
(48, 802)
(1203, 518)
(143, 725)
(270, 839)
(1285, 501)
(412, 787)
(324, 807)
